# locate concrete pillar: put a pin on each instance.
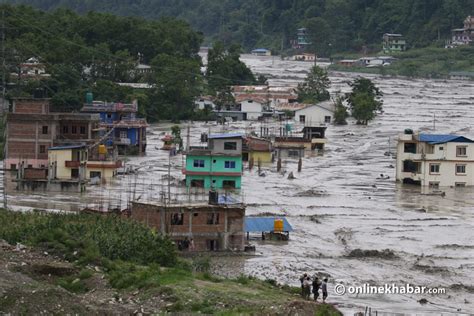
(300, 164)
(226, 233)
(191, 222)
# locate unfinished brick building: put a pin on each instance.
(32, 128)
(212, 227)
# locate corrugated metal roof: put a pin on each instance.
(264, 224)
(230, 135)
(434, 139)
(67, 147)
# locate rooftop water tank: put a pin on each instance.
(89, 98)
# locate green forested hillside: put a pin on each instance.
(336, 25)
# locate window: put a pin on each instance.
(327, 119)
(123, 134)
(230, 146)
(42, 149)
(74, 130)
(461, 151)
(441, 148)
(212, 245)
(229, 164)
(45, 130)
(198, 163)
(74, 173)
(83, 130)
(197, 183)
(460, 169)
(460, 184)
(228, 184)
(65, 129)
(109, 116)
(411, 166)
(410, 148)
(177, 219)
(212, 218)
(293, 153)
(434, 168)
(302, 118)
(95, 174)
(433, 184)
(13, 166)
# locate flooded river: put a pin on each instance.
(336, 204)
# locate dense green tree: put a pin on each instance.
(340, 113)
(346, 24)
(314, 89)
(224, 68)
(365, 100)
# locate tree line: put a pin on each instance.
(95, 51)
(334, 25)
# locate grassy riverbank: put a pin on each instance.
(97, 264)
(430, 62)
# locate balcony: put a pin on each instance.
(72, 164)
(104, 164)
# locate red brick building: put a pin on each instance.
(212, 227)
(32, 128)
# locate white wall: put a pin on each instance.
(442, 154)
(314, 115)
(252, 108)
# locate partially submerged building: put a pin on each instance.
(124, 130)
(316, 114)
(217, 165)
(261, 52)
(216, 226)
(435, 160)
(32, 128)
(257, 150)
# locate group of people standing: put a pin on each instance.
(309, 286)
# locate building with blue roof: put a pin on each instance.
(121, 126)
(217, 165)
(435, 160)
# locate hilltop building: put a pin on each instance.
(393, 43)
(217, 165)
(464, 35)
(433, 160)
(32, 69)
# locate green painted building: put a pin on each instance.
(393, 43)
(218, 165)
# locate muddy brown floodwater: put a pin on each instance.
(344, 217)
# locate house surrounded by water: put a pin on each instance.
(124, 130)
(435, 160)
(217, 165)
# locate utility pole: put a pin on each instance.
(5, 198)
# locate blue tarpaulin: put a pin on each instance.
(264, 224)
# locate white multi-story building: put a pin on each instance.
(435, 160)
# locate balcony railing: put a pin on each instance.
(73, 164)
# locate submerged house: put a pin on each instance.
(257, 150)
(316, 114)
(122, 128)
(217, 165)
(435, 160)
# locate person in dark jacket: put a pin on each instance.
(316, 285)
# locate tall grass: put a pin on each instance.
(88, 238)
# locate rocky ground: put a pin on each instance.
(30, 285)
